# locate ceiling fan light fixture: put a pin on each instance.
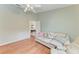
(25, 10)
(29, 7)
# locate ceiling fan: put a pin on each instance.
(29, 7)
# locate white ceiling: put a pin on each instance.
(48, 7)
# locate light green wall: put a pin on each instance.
(13, 21)
(61, 20)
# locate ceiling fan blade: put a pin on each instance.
(36, 5)
(33, 10)
(21, 6)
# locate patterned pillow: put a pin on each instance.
(45, 35)
(60, 34)
(40, 34)
(51, 35)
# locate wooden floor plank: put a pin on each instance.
(27, 46)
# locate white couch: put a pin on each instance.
(54, 40)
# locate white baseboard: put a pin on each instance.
(9, 42)
(13, 38)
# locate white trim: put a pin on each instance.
(14, 38)
(5, 43)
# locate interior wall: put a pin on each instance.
(13, 23)
(61, 20)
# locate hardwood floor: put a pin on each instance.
(27, 46)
